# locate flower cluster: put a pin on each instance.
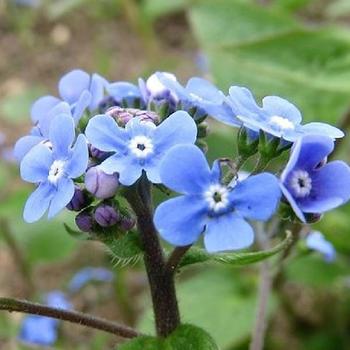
(99, 138)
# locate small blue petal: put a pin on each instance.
(293, 203)
(104, 134)
(98, 85)
(185, 169)
(242, 101)
(227, 232)
(25, 144)
(62, 134)
(80, 106)
(123, 90)
(205, 90)
(78, 162)
(316, 241)
(178, 128)
(87, 275)
(58, 299)
(38, 202)
(72, 84)
(41, 106)
(61, 196)
(256, 197)
(277, 106)
(36, 164)
(181, 220)
(322, 129)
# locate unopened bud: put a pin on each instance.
(79, 201)
(105, 215)
(100, 184)
(127, 223)
(123, 115)
(96, 153)
(84, 221)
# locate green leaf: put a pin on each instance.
(156, 8)
(185, 337)
(271, 54)
(126, 249)
(198, 255)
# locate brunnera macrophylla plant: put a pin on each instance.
(100, 149)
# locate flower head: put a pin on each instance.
(209, 206)
(316, 241)
(202, 95)
(309, 183)
(140, 146)
(53, 169)
(277, 116)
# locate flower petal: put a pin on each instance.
(178, 128)
(123, 90)
(97, 88)
(41, 106)
(61, 197)
(72, 84)
(80, 106)
(290, 199)
(38, 202)
(242, 101)
(277, 106)
(104, 134)
(256, 197)
(25, 144)
(185, 169)
(227, 232)
(78, 162)
(204, 89)
(330, 188)
(322, 129)
(36, 164)
(224, 114)
(181, 220)
(62, 135)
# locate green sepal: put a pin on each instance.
(246, 146)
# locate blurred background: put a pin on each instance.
(298, 49)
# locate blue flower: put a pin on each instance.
(40, 132)
(140, 146)
(277, 116)
(201, 94)
(89, 274)
(42, 330)
(53, 169)
(316, 241)
(78, 89)
(124, 94)
(209, 206)
(309, 183)
(153, 90)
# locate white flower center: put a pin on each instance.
(141, 146)
(56, 171)
(281, 123)
(301, 183)
(217, 197)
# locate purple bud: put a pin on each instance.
(127, 223)
(96, 153)
(123, 115)
(105, 215)
(100, 184)
(79, 201)
(84, 221)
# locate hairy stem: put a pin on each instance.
(27, 307)
(258, 336)
(175, 258)
(161, 281)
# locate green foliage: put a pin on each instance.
(197, 255)
(185, 337)
(125, 249)
(218, 299)
(268, 51)
(157, 8)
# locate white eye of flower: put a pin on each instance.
(217, 197)
(301, 183)
(141, 146)
(56, 171)
(281, 123)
